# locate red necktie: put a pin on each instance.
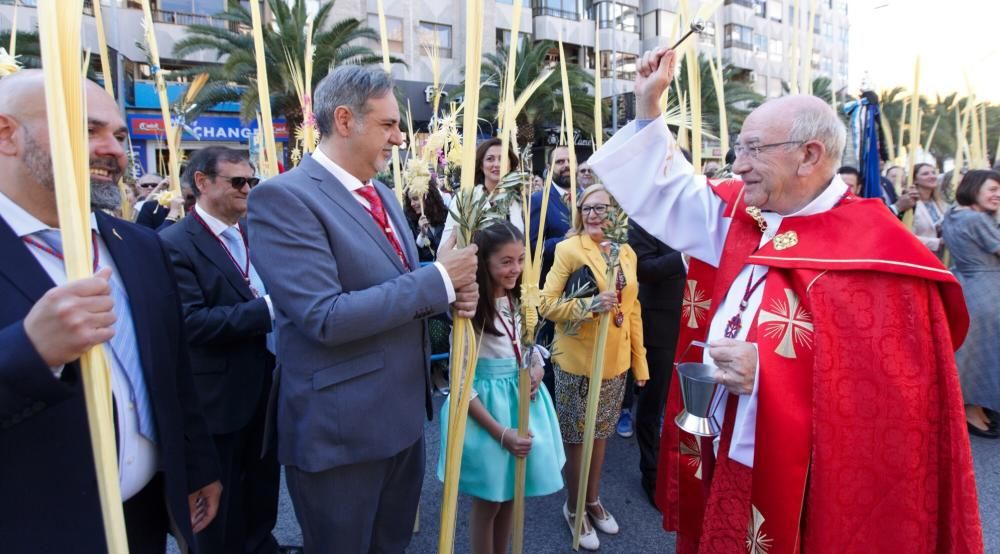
(377, 211)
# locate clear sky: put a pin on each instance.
(951, 36)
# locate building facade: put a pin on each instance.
(758, 37)
(219, 126)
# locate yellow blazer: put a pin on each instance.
(574, 353)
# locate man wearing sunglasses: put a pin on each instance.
(831, 330)
(229, 318)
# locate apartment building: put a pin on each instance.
(756, 36)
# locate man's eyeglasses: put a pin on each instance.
(597, 209)
(239, 182)
(585, 171)
(146, 185)
(753, 150)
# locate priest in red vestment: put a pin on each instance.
(833, 330)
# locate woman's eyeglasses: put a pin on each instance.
(597, 209)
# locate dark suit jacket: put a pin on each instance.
(427, 253)
(47, 480)
(661, 288)
(153, 216)
(557, 224)
(226, 326)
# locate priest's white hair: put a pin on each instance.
(817, 121)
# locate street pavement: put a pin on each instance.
(546, 532)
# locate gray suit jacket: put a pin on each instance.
(353, 351)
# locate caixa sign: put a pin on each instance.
(205, 128)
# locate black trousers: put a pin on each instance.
(146, 519)
(649, 410)
(248, 509)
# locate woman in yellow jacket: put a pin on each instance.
(574, 350)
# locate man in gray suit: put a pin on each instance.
(334, 250)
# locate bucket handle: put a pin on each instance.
(697, 343)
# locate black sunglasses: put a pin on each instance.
(239, 182)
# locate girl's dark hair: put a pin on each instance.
(434, 207)
(489, 240)
(481, 154)
(971, 183)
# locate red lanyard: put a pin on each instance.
(734, 325)
(510, 332)
(245, 270)
(53, 252)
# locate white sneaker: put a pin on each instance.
(605, 524)
(588, 537)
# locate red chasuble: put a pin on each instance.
(860, 442)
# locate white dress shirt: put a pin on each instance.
(680, 209)
(352, 184)
(217, 226)
(136, 454)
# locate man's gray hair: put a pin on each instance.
(823, 125)
(350, 86)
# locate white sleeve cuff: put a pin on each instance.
(270, 307)
(447, 282)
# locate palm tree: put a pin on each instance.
(823, 88)
(740, 96)
(545, 107)
(336, 45)
(29, 53)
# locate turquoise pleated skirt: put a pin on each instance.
(487, 467)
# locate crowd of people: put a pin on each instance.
(253, 325)
(961, 227)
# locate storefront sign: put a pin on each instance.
(205, 128)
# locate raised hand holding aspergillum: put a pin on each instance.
(656, 72)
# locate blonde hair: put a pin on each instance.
(577, 227)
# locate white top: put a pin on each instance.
(680, 209)
(352, 184)
(515, 216)
(136, 454)
(492, 347)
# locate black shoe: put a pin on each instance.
(987, 434)
(993, 417)
(649, 487)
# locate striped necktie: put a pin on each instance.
(123, 346)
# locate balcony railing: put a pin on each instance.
(162, 16)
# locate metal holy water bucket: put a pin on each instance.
(698, 390)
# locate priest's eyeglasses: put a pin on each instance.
(753, 150)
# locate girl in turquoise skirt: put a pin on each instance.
(491, 439)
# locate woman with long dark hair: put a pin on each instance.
(488, 179)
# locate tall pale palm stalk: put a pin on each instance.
(741, 99)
